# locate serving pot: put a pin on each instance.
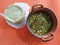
(48, 12)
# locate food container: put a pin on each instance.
(40, 8)
(25, 7)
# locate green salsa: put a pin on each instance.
(40, 23)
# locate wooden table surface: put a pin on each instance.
(11, 36)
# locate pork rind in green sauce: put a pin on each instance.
(40, 23)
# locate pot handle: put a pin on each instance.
(48, 38)
(37, 5)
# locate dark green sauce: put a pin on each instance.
(40, 23)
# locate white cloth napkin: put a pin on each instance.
(25, 8)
